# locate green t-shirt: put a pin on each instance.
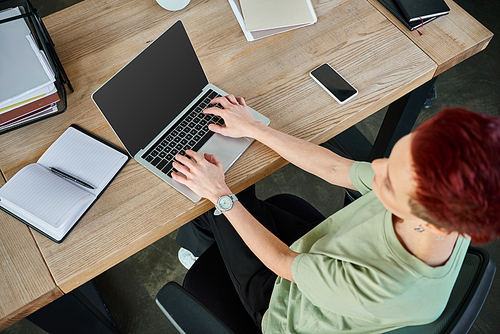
(354, 276)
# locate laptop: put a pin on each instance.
(154, 105)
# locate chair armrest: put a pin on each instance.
(186, 313)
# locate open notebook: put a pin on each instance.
(52, 204)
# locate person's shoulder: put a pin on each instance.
(361, 175)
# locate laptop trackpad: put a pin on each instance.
(226, 149)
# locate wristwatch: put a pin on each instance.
(224, 203)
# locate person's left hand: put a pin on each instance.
(203, 175)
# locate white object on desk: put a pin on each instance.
(254, 35)
(173, 5)
(23, 68)
(267, 14)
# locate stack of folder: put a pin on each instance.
(27, 81)
(262, 18)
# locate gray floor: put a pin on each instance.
(129, 288)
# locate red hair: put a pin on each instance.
(456, 158)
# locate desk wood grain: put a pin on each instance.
(94, 39)
(25, 281)
(449, 39)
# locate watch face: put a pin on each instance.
(225, 203)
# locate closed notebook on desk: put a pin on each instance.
(52, 204)
(418, 10)
(272, 14)
(393, 7)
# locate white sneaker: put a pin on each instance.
(186, 258)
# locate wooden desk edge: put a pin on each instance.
(35, 304)
(443, 64)
(28, 309)
(463, 56)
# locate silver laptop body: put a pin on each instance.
(148, 98)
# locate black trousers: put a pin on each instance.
(286, 216)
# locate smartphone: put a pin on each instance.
(333, 83)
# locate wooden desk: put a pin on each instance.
(25, 282)
(95, 39)
(450, 39)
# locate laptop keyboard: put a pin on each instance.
(190, 133)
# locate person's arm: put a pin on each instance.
(273, 252)
(310, 157)
(205, 176)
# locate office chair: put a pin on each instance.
(208, 303)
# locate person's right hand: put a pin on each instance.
(238, 121)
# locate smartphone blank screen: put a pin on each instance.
(333, 82)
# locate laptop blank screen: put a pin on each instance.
(150, 91)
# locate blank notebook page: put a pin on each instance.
(83, 157)
(50, 198)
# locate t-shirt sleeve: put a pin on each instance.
(362, 174)
(337, 286)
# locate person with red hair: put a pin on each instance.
(387, 260)
(456, 161)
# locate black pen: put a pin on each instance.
(69, 177)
